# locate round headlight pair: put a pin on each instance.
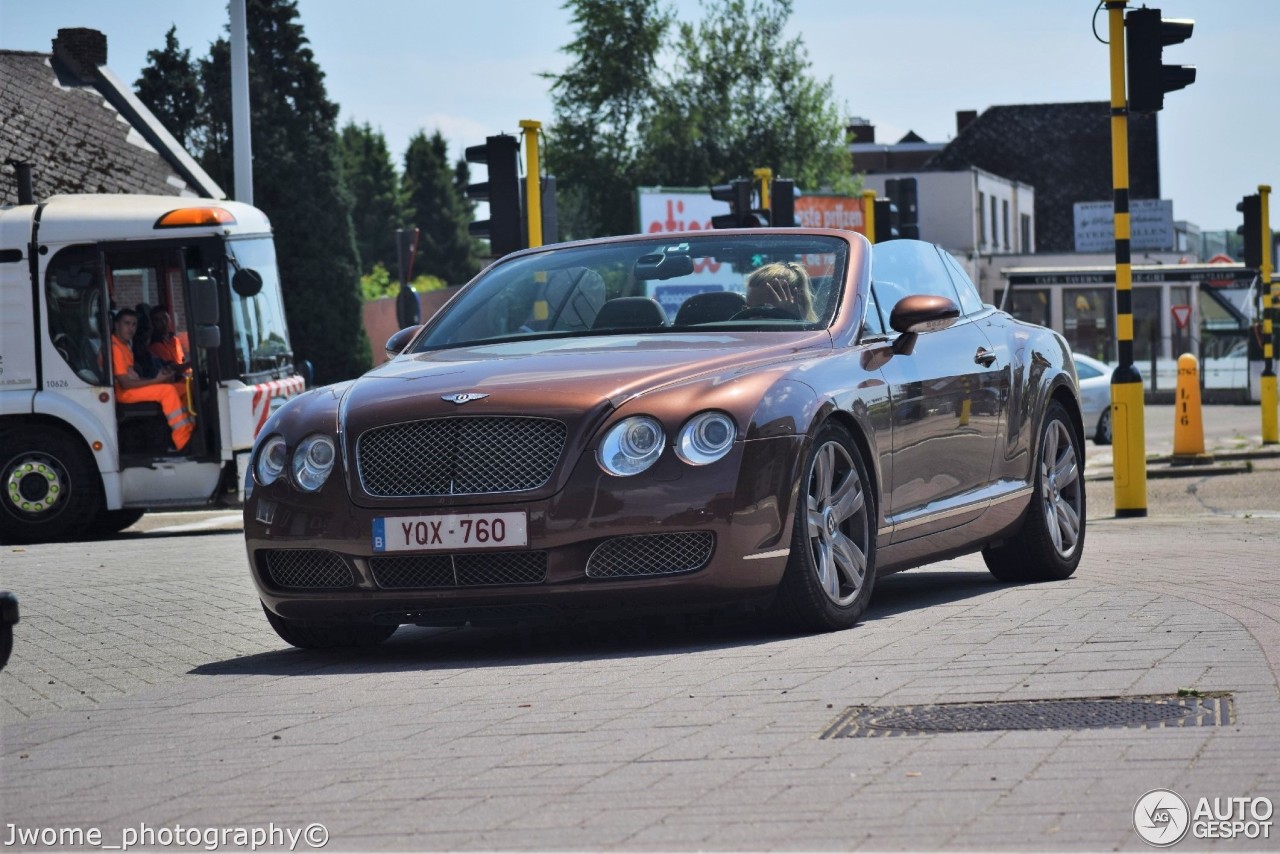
(313, 460)
(634, 444)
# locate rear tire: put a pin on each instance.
(50, 489)
(832, 568)
(1048, 545)
(305, 634)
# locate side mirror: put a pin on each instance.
(204, 301)
(247, 283)
(920, 313)
(204, 313)
(397, 342)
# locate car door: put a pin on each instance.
(946, 398)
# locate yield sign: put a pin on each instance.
(1181, 315)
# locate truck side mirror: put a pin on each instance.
(204, 312)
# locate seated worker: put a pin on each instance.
(164, 345)
(161, 389)
(783, 285)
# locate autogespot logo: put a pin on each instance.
(1161, 817)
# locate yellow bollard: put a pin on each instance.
(1188, 426)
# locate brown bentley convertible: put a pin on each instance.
(769, 416)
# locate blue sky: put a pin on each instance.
(473, 69)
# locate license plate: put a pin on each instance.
(450, 532)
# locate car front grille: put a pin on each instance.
(459, 570)
(651, 554)
(308, 568)
(459, 456)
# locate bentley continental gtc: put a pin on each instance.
(769, 418)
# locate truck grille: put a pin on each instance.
(651, 554)
(461, 570)
(458, 456)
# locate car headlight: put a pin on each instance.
(631, 446)
(705, 438)
(312, 462)
(272, 458)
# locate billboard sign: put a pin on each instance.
(1150, 225)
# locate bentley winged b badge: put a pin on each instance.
(464, 397)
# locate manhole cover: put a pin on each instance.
(1147, 712)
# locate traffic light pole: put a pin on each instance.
(869, 214)
(532, 181)
(1271, 307)
(1127, 428)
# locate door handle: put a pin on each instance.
(984, 357)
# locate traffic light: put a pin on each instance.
(501, 191)
(738, 194)
(1147, 35)
(903, 193)
(1251, 231)
(887, 225)
(782, 201)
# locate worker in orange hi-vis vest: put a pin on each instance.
(131, 388)
(168, 352)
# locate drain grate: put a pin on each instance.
(1143, 712)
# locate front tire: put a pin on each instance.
(831, 571)
(305, 634)
(50, 489)
(1048, 545)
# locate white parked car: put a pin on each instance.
(1095, 397)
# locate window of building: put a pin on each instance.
(1088, 321)
(1024, 225)
(995, 235)
(982, 219)
(1148, 323)
(1004, 222)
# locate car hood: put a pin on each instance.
(544, 376)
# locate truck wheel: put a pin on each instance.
(308, 635)
(50, 489)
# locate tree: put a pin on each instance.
(439, 209)
(170, 88)
(376, 210)
(298, 183)
(741, 96)
(598, 102)
(738, 96)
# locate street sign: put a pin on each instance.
(1181, 315)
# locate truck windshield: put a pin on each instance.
(258, 327)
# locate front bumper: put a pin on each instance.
(676, 536)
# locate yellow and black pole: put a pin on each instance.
(1271, 307)
(1127, 429)
(869, 214)
(532, 181)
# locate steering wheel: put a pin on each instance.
(768, 312)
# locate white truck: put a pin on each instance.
(75, 463)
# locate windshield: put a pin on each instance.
(743, 283)
(257, 321)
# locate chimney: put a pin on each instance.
(963, 119)
(82, 50)
(860, 130)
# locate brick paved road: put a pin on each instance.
(147, 688)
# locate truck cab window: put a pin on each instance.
(78, 328)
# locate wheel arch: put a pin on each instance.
(858, 430)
